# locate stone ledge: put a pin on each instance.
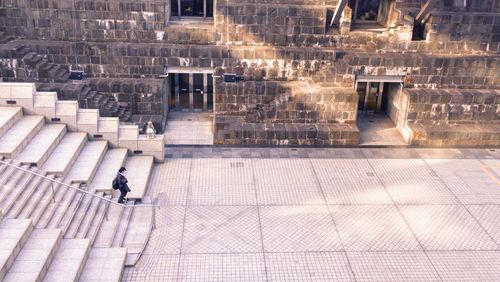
(464, 135)
(281, 134)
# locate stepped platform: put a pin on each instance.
(47, 230)
(36, 255)
(65, 154)
(13, 234)
(68, 261)
(19, 135)
(138, 174)
(42, 145)
(8, 116)
(113, 160)
(106, 236)
(85, 166)
(104, 264)
(138, 233)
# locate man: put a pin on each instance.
(122, 185)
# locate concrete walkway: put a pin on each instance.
(378, 129)
(325, 215)
(188, 128)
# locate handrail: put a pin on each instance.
(80, 190)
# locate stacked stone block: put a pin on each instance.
(451, 117)
(281, 113)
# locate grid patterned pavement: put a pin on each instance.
(362, 215)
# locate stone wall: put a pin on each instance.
(284, 113)
(89, 20)
(454, 118)
(453, 106)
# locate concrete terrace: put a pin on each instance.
(268, 214)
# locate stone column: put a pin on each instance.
(176, 90)
(191, 91)
(205, 90)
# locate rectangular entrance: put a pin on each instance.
(191, 92)
(379, 111)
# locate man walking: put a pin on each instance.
(122, 185)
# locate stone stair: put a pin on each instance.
(33, 254)
(13, 235)
(53, 232)
(28, 66)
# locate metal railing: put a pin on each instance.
(53, 181)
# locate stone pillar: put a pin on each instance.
(191, 91)
(205, 90)
(176, 90)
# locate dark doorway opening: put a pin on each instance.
(191, 92)
(378, 112)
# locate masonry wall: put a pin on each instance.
(469, 118)
(124, 46)
(284, 113)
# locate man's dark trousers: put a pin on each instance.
(123, 192)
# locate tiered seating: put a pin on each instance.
(51, 232)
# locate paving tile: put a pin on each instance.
(218, 229)
(401, 168)
(286, 182)
(354, 191)
(488, 217)
(373, 227)
(153, 268)
(473, 189)
(298, 228)
(222, 182)
(222, 267)
(342, 168)
(167, 237)
(171, 180)
(304, 266)
(418, 191)
(446, 227)
(392, 266)
(467, 265)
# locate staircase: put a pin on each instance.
(20, 63)
(57, 219)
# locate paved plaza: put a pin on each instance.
(305, 214)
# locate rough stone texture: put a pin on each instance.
(454, 117)
(124, 46)
(284, 113)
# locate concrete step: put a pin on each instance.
(42, 212)
(104, 264)
(6, 170)
(36, 255)
(12, 175)
(20, 195)
(63, 199)
(85, 166)
(13, 234)
(42, 145)
(138, 232)
(9, 116)
(88, 217)
(108, 228)
(71, 224)
(138, 173)
(68, 261)
(97, 221)
(11, 191)
(65, 209)
(113, 160)
(65, 154)
(121, 228)
(19, 135)
(30, 199)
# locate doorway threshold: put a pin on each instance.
(378, 130)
